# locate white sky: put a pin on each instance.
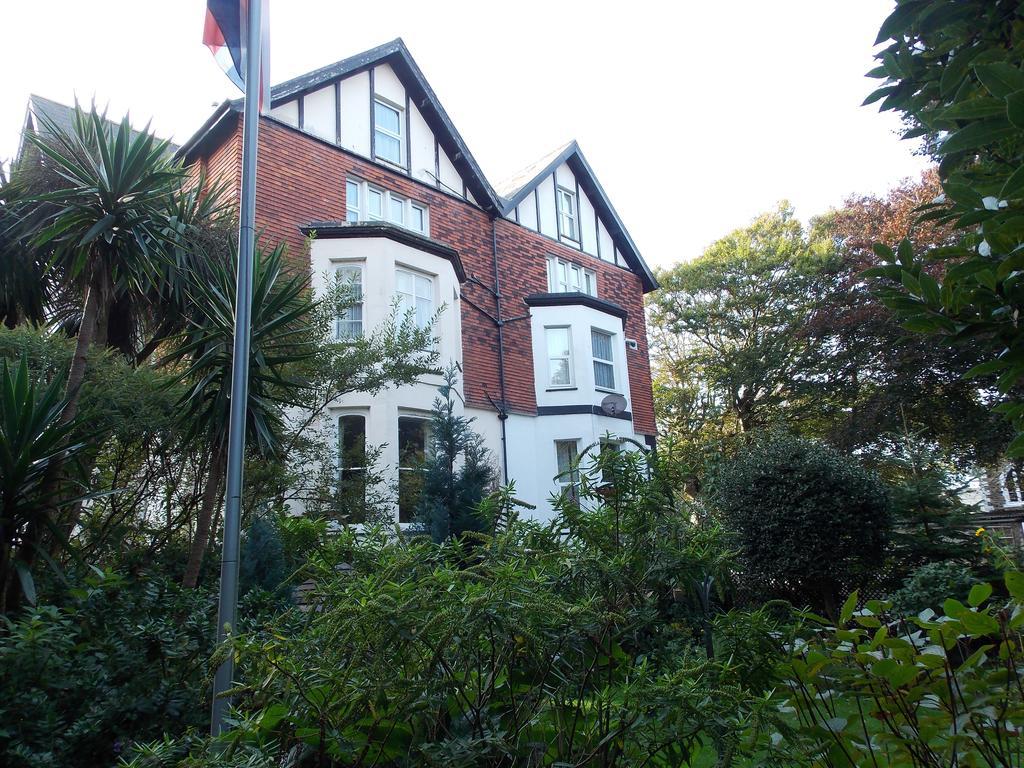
(695, 115)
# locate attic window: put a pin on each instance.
(567, 214)
(387, 132)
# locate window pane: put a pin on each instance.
(566, 452)
(387, 118)
(419, 219)
(388, 148)
(602, 345)
(558, 342)
(398, 210)
(352, 441)
(375, 198)
(403, 280)
(424, 312)
(424, 287)
(412, 451)
(560, 373)
(574, 278)
(604, 375)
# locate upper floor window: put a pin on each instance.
(415, 294)
(559, 343)
(350, 321)
(567, 218)
(353, 207)
(604, 364)
(566, 277)
(387, 132)
(364, 202)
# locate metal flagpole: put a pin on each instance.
(226, 615)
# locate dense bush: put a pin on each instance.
(118, 660)
(577, 643)
(931, 584)
(810, 522)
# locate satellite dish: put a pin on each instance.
(613, 405)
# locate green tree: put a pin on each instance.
(810, 522)
(458, 471)
(280, 339)
(32, 438)
(731, 324)
(952, 71)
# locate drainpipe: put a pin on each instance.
(500, 323)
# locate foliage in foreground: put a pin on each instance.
(119, 660)
(575, 644)
(936, 690)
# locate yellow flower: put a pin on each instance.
(979, 532)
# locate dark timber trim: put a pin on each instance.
(337, 111)
(566, 410)
(373, 118)
(576, 299)
(328, 230)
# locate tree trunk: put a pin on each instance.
(202, 538)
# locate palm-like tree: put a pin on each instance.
(281, 337)
(32, 438)
(108, 229)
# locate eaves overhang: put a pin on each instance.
(328, 230)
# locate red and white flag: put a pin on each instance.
(224, 34)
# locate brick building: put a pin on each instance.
(538, 284)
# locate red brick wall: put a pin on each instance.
(300, 180)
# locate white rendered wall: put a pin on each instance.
(607, 245)
(450, 180)
(528, 212)
(355, 113)
(533, 465)
(546, 195)
(287, 112)
(421, 147)
(387, 85)
(379, 258)
(588, 224)
(318, 113)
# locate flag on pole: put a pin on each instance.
(224, 34)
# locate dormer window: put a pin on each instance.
(566, 277)
(567, 214)
(387, 132)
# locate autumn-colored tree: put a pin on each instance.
(879, 375)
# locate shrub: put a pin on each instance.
(119, 660)
(810, 522)
(931, 584)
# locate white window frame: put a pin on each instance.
(353, 207)
(345, 317)
(414, 296)
(568, 217)
(377, 101)
(568, 478)
(600, 361)
(360, 211)
(568, 358)
(585, 279)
